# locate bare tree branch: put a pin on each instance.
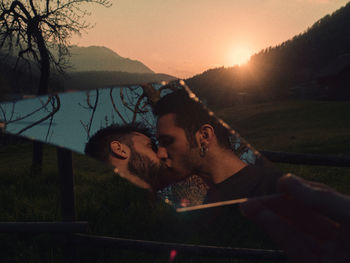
(12, 110)
(54, 110)
(31, 113)
(33, 28)
(115, 107)
(137, 110)
(3, 113)
(92, 107)
(51, 118)
(126, 104)
(149, 97)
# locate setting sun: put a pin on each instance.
(239, 55)
(185, 38)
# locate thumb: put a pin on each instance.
(317, 196)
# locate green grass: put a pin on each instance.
(316, 127)
(295, 126)
(113, 207)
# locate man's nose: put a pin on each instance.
(162, 153)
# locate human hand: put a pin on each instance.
(310, 221)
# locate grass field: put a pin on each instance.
(316, 127)
(115, 208)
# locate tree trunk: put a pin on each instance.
(37, 158)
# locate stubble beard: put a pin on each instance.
(190, 162)
(149, 171)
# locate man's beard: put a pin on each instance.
(149, 171)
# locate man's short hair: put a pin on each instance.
(98, 145)
(191, 115)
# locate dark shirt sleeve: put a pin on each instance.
(251, 181)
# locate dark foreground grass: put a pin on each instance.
(113, 207)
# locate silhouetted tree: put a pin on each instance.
(30, 28)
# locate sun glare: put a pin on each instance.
(239, 55)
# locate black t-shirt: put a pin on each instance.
(252, 180)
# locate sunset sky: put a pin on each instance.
(185, 37)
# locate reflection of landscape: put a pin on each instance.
(69, 119)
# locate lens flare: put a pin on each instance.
(184, 202)
(173, 254)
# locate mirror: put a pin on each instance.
(72, 119)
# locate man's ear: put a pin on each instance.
(205, 135)
(119, 150)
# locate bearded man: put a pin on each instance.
(130, 149)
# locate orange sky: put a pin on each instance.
(186, 37)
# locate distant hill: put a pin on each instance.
(289, 69)
(101, 79)
(93, 67)
(95, 58)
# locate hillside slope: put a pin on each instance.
(95, 58)
(278, 71)
(101, 79)
(92, 67)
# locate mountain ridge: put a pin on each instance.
(101, 79)
(106, 73)
(101, 58)
(290, 69)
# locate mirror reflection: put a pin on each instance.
(157, 136)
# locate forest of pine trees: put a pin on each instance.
(274, 71)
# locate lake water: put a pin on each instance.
(70, 122)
